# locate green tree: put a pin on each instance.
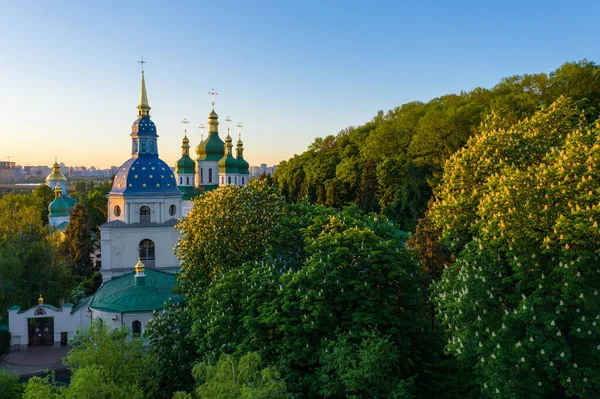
(520, 304)
(43, 196)
(175, 352)
(225, 228)
(78, 245)
(29, 264)
(10, 388)
(243, 378)
(363, 367)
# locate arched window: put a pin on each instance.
(222, 180)
(136, 327)
(39, 312)
(210, 175)
(201, 175)
(147, 252)
(187, 179)
(180, 180)
(144, 214)
(242, 181)
(229, 180)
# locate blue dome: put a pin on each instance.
(145, 177)
(144, 126)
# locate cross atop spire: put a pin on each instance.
(143, 107)
(240, 126)
(185, 123)
(228, 120)
(201, 132)
(142, 62)
(213, 93)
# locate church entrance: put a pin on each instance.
(41, 331)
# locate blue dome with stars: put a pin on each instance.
(145, 177)
(144, 126)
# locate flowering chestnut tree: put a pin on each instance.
(520, 206)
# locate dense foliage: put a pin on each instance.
(392, 163)
(104, 363)
(29, 261)
(317, 275)
(519, 206)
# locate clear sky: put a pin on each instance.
(288, 70)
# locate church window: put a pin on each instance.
(180, 180)
(117, 210)
(236, 180)
(242, 181)
(99, 321)
(39, 312)
(201, 175)
(187, 181)
(210, 175)
(136, 327)
(229, 180)
(145, 214)
(147, 252)
(172, 210)
(222, 180)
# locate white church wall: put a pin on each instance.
(120, 250)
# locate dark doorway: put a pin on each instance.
(41, 331)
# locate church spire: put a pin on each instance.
(213, 122)
(239, 148)
(185, 144)
(143, 107)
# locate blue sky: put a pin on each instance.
(290, 71)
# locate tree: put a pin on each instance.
(243, 378)
(28, 261)
(520, 304)
(43, 196)
(78, 244)
(225, 228)
(363, 367)
(105, 364)
(175, 352)
(10, 388)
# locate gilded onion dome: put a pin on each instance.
(55, 175)
(211, 149)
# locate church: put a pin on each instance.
(145, 203)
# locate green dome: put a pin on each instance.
(185, 165)
(228, 164)
(59, 207)
(210, 149)
(244, 167)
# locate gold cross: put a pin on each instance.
(213, 93)
(185, 123)
(142, 62)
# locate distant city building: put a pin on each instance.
(7, 172)
(257, 171)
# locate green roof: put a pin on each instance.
(122, 295)
(185, 165)
(228, 164)
(59, 207)
(210, 149)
